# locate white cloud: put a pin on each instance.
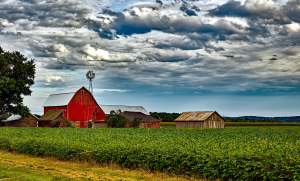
(60, 48)
(100, 54)
(294, 27)
(5, 22)
(95, 54)
(54, 80)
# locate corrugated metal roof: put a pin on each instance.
(13, 118)
(108, 108)
(51, 115)
(16, 117)
(66, 91)
(195, 116)
(61, 97)
(58, 99)
(145, 118)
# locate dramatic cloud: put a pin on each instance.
(168, 47)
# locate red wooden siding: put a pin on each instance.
(65, 108)
(83, 107)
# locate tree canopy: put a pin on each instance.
(116, 120)
(16, 78)
(165, 117)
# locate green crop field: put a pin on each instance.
(233, 153)
(235, 124)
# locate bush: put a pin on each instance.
(56, 124)
(68, 123)
(135, 123)
(116, 120)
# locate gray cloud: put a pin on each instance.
(227, 49)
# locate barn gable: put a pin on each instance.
(200, 119)
(51, 115)
(62, 97)
(19, 121)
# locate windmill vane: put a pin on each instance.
(90, 75)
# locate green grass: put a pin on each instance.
(233, 153)
(20, 167)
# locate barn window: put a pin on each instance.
(82, 92)
(98, 109)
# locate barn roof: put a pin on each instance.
(51, 115)
(108, 108)
(62, 97)
(195, 116)
(15, 117)
(145, 118)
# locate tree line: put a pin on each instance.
(165, 117)
(249, 120)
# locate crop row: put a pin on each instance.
(173, 124)
(244, 153)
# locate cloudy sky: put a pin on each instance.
(235, 57)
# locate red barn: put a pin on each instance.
(78, 104)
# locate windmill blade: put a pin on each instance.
(90, 75)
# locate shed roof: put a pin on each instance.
(51, 115)
(62, 97)
(15, 117)
(108, 108)
(145, 118)
(195, 116)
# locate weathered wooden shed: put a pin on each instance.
(200, 119)
(21, 121)
(78, 105)
(146, 122)
(54, 116)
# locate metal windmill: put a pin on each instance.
(90, 75)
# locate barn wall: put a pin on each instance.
(30, 121)
(99, 125)
(152, 125)
(214, 121)
(81, 124)
(60, 118)
(63, 120)
(44, 124)
(12, 123)
(190, 124)
(83, 107)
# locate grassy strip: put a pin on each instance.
(168, 124)
(173, 124)
(245, 153)
(14, 166)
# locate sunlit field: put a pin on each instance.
(231, 153)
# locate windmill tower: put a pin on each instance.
(90, 75)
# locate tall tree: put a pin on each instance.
(16, 78)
